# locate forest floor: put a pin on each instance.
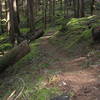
(60, 71)
(80, 83)
(49, 70)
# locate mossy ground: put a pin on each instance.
(36, 74)
(76, 34)
(4, 43)
(27, 74)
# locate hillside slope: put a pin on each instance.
(60, 63)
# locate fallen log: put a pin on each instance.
(38, 34)
(14, 55)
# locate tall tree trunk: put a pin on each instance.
(17, 6)
(1, 24)
(8, 17)
(14, 23)
(61, 4)
(36, 6)
(65, 8)
(92, 6)
(50, 10)
(30, 4)
(45, 14)
(78, 7)
(54, 3)
(82, 8)
(74, 8)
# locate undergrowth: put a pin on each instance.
(29, 76)
(24, 76)
(76, 34)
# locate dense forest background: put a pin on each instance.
(49, 48)
(20, 19)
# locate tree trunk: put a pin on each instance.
(74, 8)
(78, 7)
(65, 8)
(38, 34)
(54, 4)
(30, 4)
(92, 6)
(61, 4)
(14, 23)
(45, 13)
(1, 24)
(50, 10)
(81, 8)
(14, 55)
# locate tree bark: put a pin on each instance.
(1, 24)
(54, 4)
(50, 10)
(82, 8)
(30, 4)
(35, 36)
(92, 6)
(45, 13)
(14, 55)
(14, 23)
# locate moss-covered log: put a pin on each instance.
(38, 34)
(14, 55)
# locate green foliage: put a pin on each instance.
(34, 89)
(44, 93)
(23, 19)
(39, 91)
(76, 32)
(75, 24)
(44, 65)
(3, 37)
(6, 46)
(29, 57)
(59, 20)
(39, 24)
(24, 30)
(87, 34)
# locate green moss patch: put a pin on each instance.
(6, 46)
(76, 34)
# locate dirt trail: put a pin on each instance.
(82, 84)
(61, 71)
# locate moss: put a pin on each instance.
(29, 57)
(45, 93)
(3, 36)
(77, 35)
(39, 91)
(24, 30)
(87, 34)
(59, 20)
(4, 42)
(5, 46)
(77, 31)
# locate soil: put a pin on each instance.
(75, 76)
(71, 77)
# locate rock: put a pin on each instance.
(62, 97)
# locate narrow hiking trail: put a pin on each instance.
(53, 67)
(81, 83)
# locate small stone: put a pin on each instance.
(61, 98)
